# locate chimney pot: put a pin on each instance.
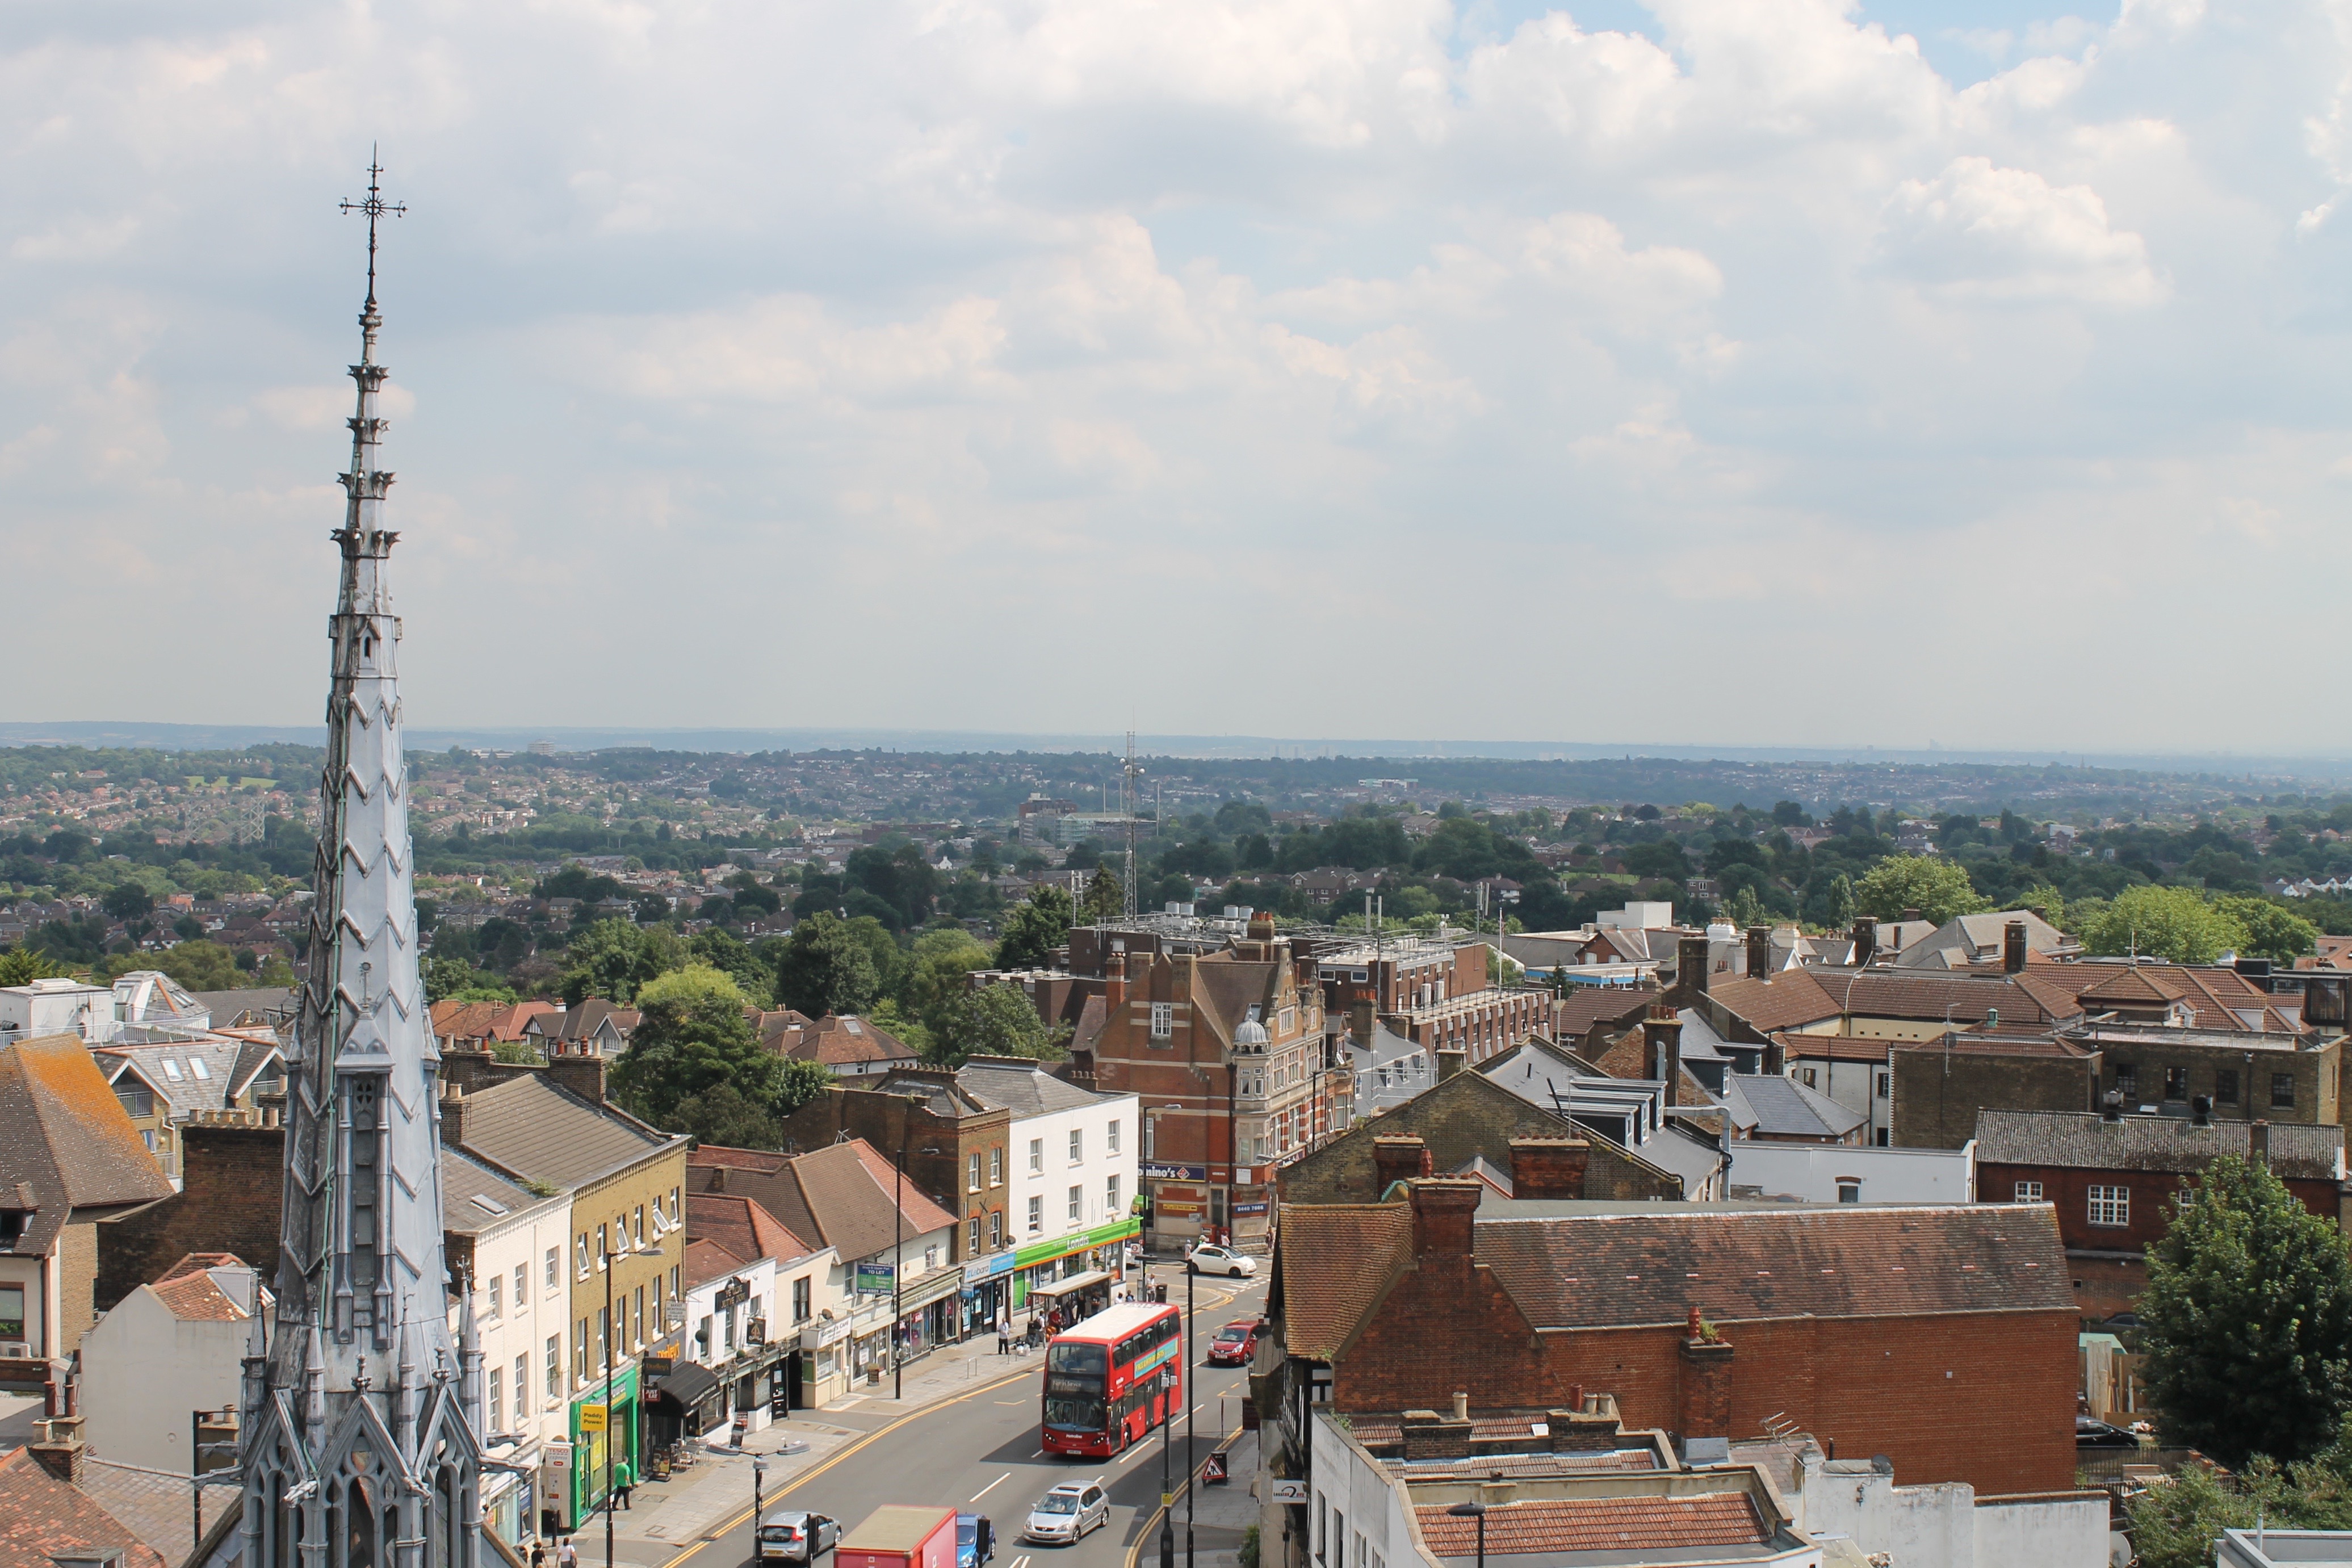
(1444, 1215)
(1461, 1406)
(1398, 1159)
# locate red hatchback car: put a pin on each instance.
(1235, 1343)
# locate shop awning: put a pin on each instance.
(1072, 1285)
(690, 1382)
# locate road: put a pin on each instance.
(978, 1452)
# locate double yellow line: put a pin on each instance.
(832, 1459)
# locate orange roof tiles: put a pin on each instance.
(1615, 1524)
(195, 1299)
(43, 1518)
(1322, 1302)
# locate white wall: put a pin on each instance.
(51, 1008)
(2066, 1532)
(1946, 1526)
(714, 1350)
(145, 1372)
(1810, 1171)
(1090, 1175)
(523, 1240)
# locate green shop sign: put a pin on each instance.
(1038, 1252)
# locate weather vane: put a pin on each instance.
(374, 206)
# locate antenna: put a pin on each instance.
(374, 206)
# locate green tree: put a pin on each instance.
(614, 959)
(800, 1081)
(2246, 1320)
(198, 965)
(998, 1021)
(522, 1053)
(449, 978)
(1938, 889)
(2176, 1525)
(127, 901)
(1106, 896)
(722, 1114)
(2173, 923)
(2048, 899)
(2273, 931)
(825, 968)
(909, 1031)
(1034, 930)
(692, 1035)
(935, 981)
(1842, 902)
(725, 950)
(22, 965)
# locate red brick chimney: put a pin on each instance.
(1549, 1167)
(453, 1116)
(1706, 1384)
(1865, 939)
(1445, 1215)
(1115, 982)
(1662, 1046)
(2012, 947)
(1398, 1159)
(1363, 1018)
(62, 1451)
(582, 1075)
(1690, 967)
(1759, 952)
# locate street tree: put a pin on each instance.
(2246, 1320)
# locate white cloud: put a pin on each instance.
(879, 321)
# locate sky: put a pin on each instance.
(1695, 371)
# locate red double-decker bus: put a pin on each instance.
(1113, 1378)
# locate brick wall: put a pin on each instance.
(231, 1202)
(1465, 1115)
(77, 1278)
(2170, 1072)
(1938, 1093)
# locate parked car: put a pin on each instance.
(791, 1535)
(1065, 1514)
(2095, 1433)
(1236, 1344)
(975, 1540)
(1207, 1258)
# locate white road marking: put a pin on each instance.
(1038, 1454)
(991, 1486)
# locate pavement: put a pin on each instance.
(958, 1401)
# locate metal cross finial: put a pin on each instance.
(374, 206)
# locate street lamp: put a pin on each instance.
(1167, 1492)
(759, 1475)
(1476, 1510)
(1190, 1508)
(611, 1333)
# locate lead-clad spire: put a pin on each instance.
(344, 1466)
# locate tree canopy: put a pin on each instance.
(2174, 923)
(692, 1036)
(825, 967)
(2246, 1320)
(1939, 889)
(1034, 928)
(614, 959)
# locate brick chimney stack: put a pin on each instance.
(1865, 940)
(2012, 947)
(62, 1451)
(1706, 1367)
(1449, 1062)
(1690, 968)
(1115, 982)
(1759, 952)
(1363, 1018)
(1398, 1159)
(1662, 1046)
(1444, 1215)
(1549, 1167)
(453, 1116)
(582, 1075)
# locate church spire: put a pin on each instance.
(361, 1278)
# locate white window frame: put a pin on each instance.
(1163, 1020)
(2110, 1207)
(1077, 1205)
(1078, 1145)
(2028, 1192)
(1036, 1156)
(1112, 1209)
(1110, 1135)
(1036, 1213)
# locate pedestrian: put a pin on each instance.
(623, 1483)
(1003, 1335)
(538, 1553)
(567, 1556)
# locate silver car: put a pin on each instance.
(789, 1535)
(1065, 1514)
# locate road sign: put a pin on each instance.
(592, 1418)
(1214, 1470)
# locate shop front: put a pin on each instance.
(1184, 1205)
(604, 1432)
(987, 1292)
(929, 1313)
(829, 1350)
(508, 1500)
(1101, 1249)
(687, 1400)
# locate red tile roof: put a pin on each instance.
(42, 1518)
(742, 1226)
(1322, 1303)
(195, 1299)
(1615, 1524)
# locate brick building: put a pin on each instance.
(957, 1147)
(1940, 1087)
(1896, 1330)
(1464, 1118)
(233, 1176)
(1226, 1055)
(2266, 1075)
(1438, 994)
(2112, 1181)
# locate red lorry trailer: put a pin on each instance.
(901, 1535)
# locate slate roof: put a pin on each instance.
(42, 1518)
(269, 1005)
(1553, 1526)
(1322, 1304)
(1021, 1086)
(1786, 1109)
(1605, 1269)
(215, 1088)
(542, 1131)
(151, 1504)
(464, 1179)
(2080, 1140)
(66, 1140)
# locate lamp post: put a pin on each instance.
(1191, 1503)
(1166, 1491)
(611, 1335)
(759, 1475)
(1476, 1510)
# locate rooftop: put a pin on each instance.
(2084, 1141)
